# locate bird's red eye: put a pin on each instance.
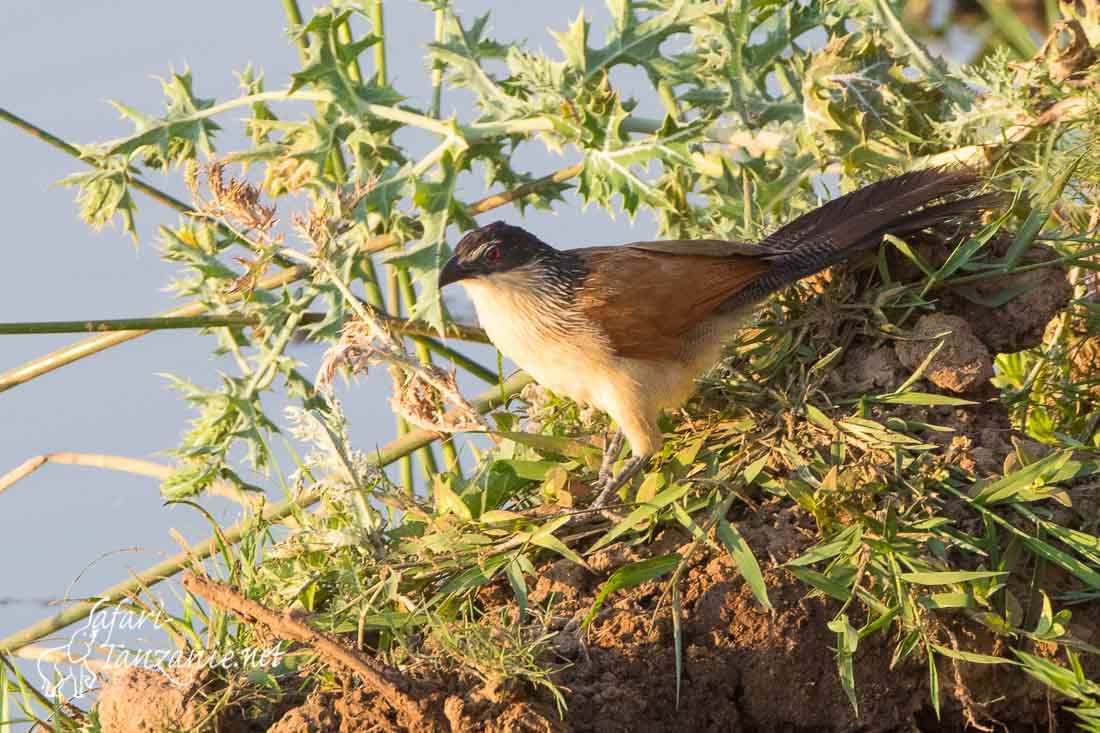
(493, 254)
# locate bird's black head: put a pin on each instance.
(491, 249)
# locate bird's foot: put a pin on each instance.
(611, 452)
(616, 482)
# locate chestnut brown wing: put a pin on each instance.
(646, 299)
(707, 248)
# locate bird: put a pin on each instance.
(629, 329)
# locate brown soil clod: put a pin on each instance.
(137, 700)
(962, 365)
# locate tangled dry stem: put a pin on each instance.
(419, 390)
(230, 199)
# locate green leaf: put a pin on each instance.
(745, 560)
(104, 193)
(328, 59)
(819, 418)
(949, 577)
(642, 513)
(966, 251)
(844, 543)
(920, 398)
(574, 42)
(615, 168)
(937, 601)
(827, 585)
(183, 132)
(519, 586)
(426, 258)
(630, 576)
(632, 41)
(847, 641)
(446, 500)
(544, 537)
(1064, 560)
(529, 470)
(463, 53)
(974, 657)
(1011, 486)
(933, 680)
(677, 636)
(569, 447)
(1037, 217)
(470, 578)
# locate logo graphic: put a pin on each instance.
(71, 670)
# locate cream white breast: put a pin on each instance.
(561, 354)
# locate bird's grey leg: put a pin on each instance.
(616, 482)
(610, 455)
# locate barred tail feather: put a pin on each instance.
(857, 222)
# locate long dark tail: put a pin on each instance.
(856, 223)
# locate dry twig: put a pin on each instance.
(292, 628)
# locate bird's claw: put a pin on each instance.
(607, 489)
(610, 455)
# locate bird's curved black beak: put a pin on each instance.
(451, 272)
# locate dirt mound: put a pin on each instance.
(744, 668)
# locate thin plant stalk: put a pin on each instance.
(417, 328)
(458, 359)
(378, 24)
(343, 33)
(437, 68)
(393, 304)
(397, 290)
(50, 139)
(122, 464)
(294, 16)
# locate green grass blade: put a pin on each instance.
(844, 543)
(629, 576)
(949, 577)
(921, 398)
(569, 447)
(1064, 560)
(1010, 486)
(933, 681)
(974, 657)
(847, 640)
(642, 513)
(746, 561)
(823, 583)
(514, 573)
(677, 637)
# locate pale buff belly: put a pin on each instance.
(574, 363)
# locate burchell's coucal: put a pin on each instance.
(628, 329)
